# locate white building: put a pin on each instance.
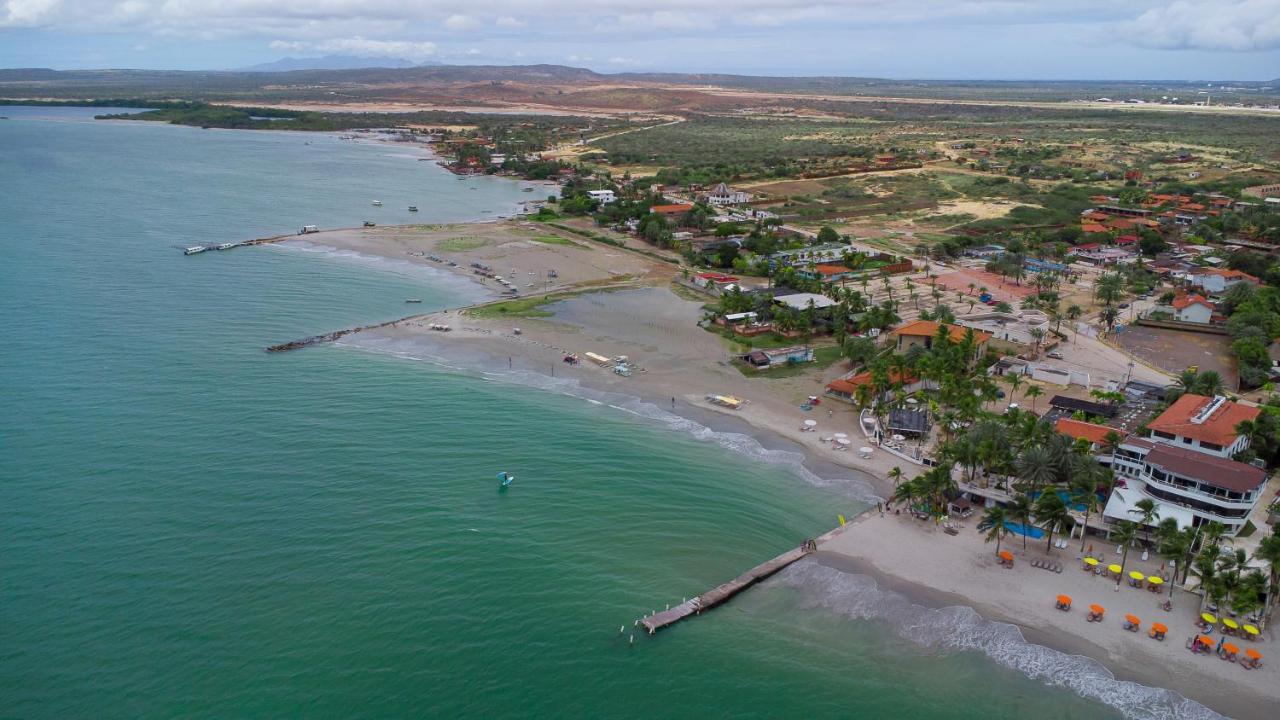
(1193, 309)
(724, 195)
(1214, 280)
(1185, 466)
(603, 197)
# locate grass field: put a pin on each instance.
(462, 243)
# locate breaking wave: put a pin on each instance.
(959, 628)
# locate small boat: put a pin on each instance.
(377, 203)
(413, 301)
(226, 246)
(194, 249)
(413, 208)
(528, 189)
(505, 479)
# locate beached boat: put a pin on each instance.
(728, 401)
(377, 203)
(194, 249)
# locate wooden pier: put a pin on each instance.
(722, 593)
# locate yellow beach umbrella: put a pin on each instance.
(1091, 561)
(1209, 618)
(1137, 575)
(1251, 629)
(1114, 568)
(1155, 580)
(1231, 623)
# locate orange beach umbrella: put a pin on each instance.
(1253, 654)
(1064, 599)
(1205, 640)
(1160, 627)
(1097, 608)
(1006, 556)
(1133, 619)
(1230, 648)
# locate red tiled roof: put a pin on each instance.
(671, 209)
(1079, 429)
(1185, 301)
(851, 384)
(1126, 239)
(1219, 428)
(1092, 227)
(830, 269)
(928, 328)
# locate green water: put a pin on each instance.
(194, 528)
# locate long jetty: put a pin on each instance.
(337, 334)
(722, 593)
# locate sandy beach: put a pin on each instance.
(937, 570)
(613, 302)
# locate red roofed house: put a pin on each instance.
(846, 388)
(1193, 309)
(671, 211)
(1126, 239)
(1080, 430)
(922, 332)
(1204, 424)
(1089, 227)
(1213, 280)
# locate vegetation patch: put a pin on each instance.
(462, 243)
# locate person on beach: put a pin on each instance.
(673, 402)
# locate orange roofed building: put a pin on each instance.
(1204, 424)
(1080, 430)
(922, 333)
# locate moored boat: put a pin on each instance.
(194, 249)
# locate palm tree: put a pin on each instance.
(1175, 543)
(906, 493)
(1033, 392)
(1053, 516)
(1269, 550)
(1084, 491)
(1109, 315)
(1148, 513)
(895, 475)
(1124, 534)
(1209, 383)
(993, 521)
(1036, 467)
(1020, 511)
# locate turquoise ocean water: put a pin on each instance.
(190, 527)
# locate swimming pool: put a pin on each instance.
(1020, 529)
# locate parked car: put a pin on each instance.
(1054, 354)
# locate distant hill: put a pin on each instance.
(332, 62)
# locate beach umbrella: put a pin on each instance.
(1251, 630)
(839, 436)
(1091, 562)
(899, 438)
(1133, 619)
(912, 401)
(1155, 580)
(1114, 568)
(1064, 599)
(1097, 608)
(1231, 623)
(842, 441)
(1253, 654)
(1006, 556)
(1209, 618)
(1137, 575)
(810, 423)
(1230, 648)
(1160, 627)
(864, 450)
(1205, 640)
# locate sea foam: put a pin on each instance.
(959, 628)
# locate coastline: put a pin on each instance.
(640, 317)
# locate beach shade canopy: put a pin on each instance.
(864, 450)
(1160, 627)
(1253, 654)
(1114, 568)
(1155, 580)
(1209, 618)
(1251, 629)
(810, 423)
(1091, 561)
(1205, 640)
(1137, 575)
(1230, 648)
(839, 435)
(1097, 608)
(1231, 623)
(1133, 619)
(1064, 599)
(1006, 555)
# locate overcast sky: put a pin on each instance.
(998, 39)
